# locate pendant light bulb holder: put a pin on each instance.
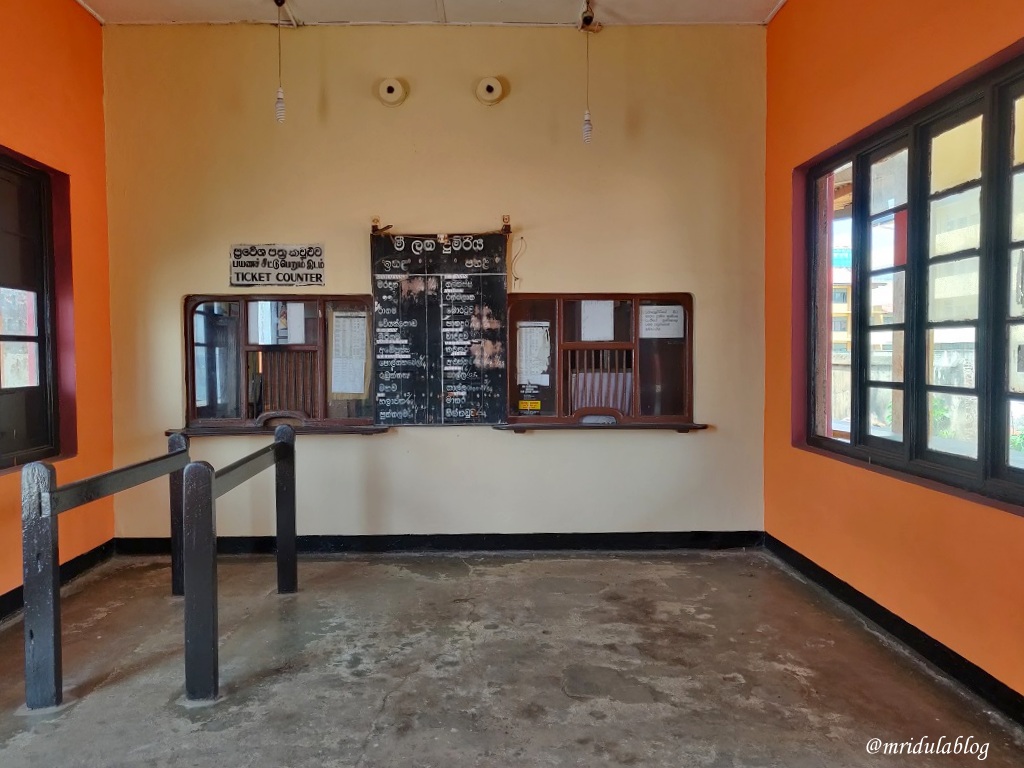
(279, 101)
(279, 105)
(588, 127)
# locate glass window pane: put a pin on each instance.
(889, 241)
(1015, 359)
(955, 223)
(1017, 282)
(216, 384)
(21, 229)
(536, 380)
(833, 299)
(956, 155)
(1015, 433)
(283, 322)
(888, 298)
(889, 182)
(953, 290)
(19, 364)
(886, 413)
(280, 379)
(199, 329)
(662, 351)
(1018, 131)
(202, 398)
(886, 356)
(1017, 224)
(18, 313)
(951, 357)
(953, 424)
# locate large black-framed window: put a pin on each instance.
(28, 401)
(922, 227)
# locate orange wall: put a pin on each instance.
(51, 57)
(948, 566)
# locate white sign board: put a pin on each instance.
(253, 266)
(661, 321)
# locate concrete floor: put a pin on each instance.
(678, 660)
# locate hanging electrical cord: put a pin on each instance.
(588, 126)
(515, 259)
(279, 102)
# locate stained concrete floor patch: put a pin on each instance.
(693, 659)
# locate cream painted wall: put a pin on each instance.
(669, 197)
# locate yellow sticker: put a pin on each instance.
(529, 405)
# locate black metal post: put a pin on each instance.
(177, 442)
(41, 573)
(284, 471)
(200, 569)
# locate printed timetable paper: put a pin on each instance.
(348, 357)
(533, 355)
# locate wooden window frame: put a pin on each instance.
(682, 422)
(60, 434)
(990, 474)
(315, 422)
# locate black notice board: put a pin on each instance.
(440, 335)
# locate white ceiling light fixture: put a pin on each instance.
(279, 102)
(490, 90)
(392, 92)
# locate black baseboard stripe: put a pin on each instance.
(532, 542)
(469, 542)
(12, 602)
(968, 674)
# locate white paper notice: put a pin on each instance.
(348, 357)
(296, 323)
(597, 321)
(533, 355)
(262, 322)
(661, 322)
(276, 322)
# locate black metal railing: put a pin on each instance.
(42, 501)
(202, 487)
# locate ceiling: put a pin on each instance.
(526, 12)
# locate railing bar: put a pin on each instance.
(268, 382)
(605, 381)
(233, 475)
(81, 492)
(595, 387)
(619, 388)
(287, 369)
(278, 382)
(572, 381)
(284, 482)
(41, 573)
(176, 493)
(200, 550)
